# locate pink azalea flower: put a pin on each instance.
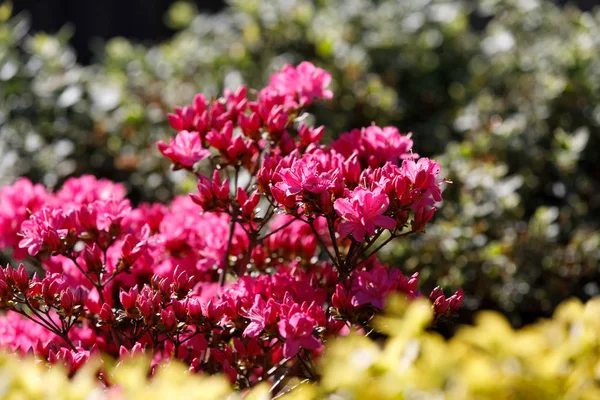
(17, 202)
(250, 125)
(310, 135)
(372, 287)
(386, 144)
(18, 334)
(211, 194)
(305, 82)
(375, 145)
(111, 213)
(86, 189)
(423, 174)
(261, 315)
(185, 150)
(45, 230)
(296, 238)
(235, 150)
(311, 180)
(73, 360)
(362, 213)
(297, 330)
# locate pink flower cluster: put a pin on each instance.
(251, 275)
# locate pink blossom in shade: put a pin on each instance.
(442, 305)
(266, 175)
(349, 143)
(68, 270)
(17, 202)
(286, 144)
(294, 237)
(196, 346)
(248, 350)
(134, 251)
(422, 216)
(145, 214)
(386, 144)
(218, 115)
(409, 285)
(194, 239)
(261, 315)
(456, 300)
(387, 179)
(199, 104)
(341, 299)
(87, 337)
(221, 139)
(136, 351)
(18, 334)
(372, 287)
(297, 330)
(362, 213)
(305, 83)
(184, 150)
(86, 189)
(277, 121)
(375, 145)
(225, 357)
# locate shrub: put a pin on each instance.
(519, 228)
(211, 279)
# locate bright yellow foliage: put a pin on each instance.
(553, 359)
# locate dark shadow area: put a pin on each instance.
(141, 20)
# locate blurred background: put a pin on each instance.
(504, 93)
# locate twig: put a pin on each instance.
(307, 367)
(323, 245)
(97, 284)
(302, 382)
(223, 274)
(392, 237)
(278, 229)
(330, 227)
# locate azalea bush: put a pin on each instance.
(274, 255)
(551, 359)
